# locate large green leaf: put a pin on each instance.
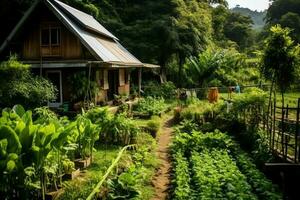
(62, 136)
(26, 137)
(3, 147)
(19, 110)
(11, 166)
(27, 117)
(14, 144)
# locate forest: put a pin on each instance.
(170, 32)
(217, 117)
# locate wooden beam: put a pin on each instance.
(140, 81)
(287, 167)
(18, 26)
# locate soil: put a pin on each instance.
(162, 179)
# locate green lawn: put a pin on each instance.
(290, 98)
(82, 186)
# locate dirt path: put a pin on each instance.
(161, 179)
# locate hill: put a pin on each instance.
(256, 16)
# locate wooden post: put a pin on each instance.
(269, 126)
(274, 126)
(282, 131)
(140, 81)
(297, 134)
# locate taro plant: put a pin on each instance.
(88, 133)
(26, 147)
(119, 130)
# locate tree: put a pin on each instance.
(232, 29)
(238, 28)
(193, 34)
(19, 86)
(280, 59)
(287, 14)
(292, 21)
(214, 67)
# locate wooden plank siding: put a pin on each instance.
(70, 47)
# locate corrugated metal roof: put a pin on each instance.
(84, 19)
(104, 49)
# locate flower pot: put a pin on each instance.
(83, 163)
(72, 175)
(54, 194)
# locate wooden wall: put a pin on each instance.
(70, 46)
(102, 80)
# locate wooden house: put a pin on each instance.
(58, 40)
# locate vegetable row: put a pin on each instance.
(212, 166)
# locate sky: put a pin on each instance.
(252, 4)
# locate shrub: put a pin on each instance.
(150, 106)
(153, 125)
(165, 90)
(82, 86)
(198, 112)
(118, 130)
(19, 86)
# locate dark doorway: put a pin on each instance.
(55, 78)
(113, 81)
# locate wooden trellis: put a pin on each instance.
(282, 126)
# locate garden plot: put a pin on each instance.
(212, 166)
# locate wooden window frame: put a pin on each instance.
(50, 27)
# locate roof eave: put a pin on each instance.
(67, 24)
(116, 64)
(19, 25)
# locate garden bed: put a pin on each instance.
(212, 166)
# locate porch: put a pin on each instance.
(111, 79)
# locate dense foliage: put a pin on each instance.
(150, 106)
(37, 151)
(165, 90)
(217, 68)
(218, 167)
(280, 61)
(258, 17)
(287, 14)
(19, 86)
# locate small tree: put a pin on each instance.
(19, 86)
(279, 61)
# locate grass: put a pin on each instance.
(290, 98)
(82, 186)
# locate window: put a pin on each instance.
(45, 37)
(50, 36)
(55, 36)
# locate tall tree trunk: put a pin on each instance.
(180, 70)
